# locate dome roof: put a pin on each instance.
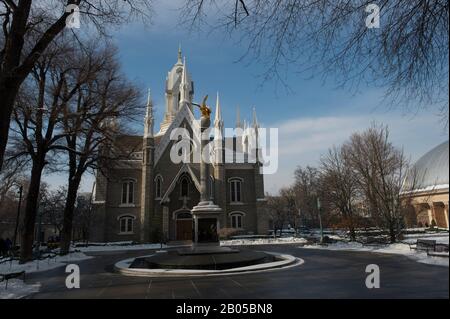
(431, 170)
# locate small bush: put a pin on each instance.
(226, 233)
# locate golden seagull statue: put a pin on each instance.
(204, 109)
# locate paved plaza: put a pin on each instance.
(325, 274)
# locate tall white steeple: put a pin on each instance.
(255, 134)
(255, 119)
(179, 89)
(218, 122)
(218, 132)
(238, 118)
(180, 56)
(184, 86)
(149, 119)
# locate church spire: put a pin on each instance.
(149, 112)
(184, 86)
(149, 120)
(218, 117)
(218, 132)
(238, 118)
(218, 122)
(255, 133)
(255, 119)
(180, 56)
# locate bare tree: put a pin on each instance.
(51, 206)
(38, 135)
(107, 96)
(306, 188)
(291, 205)
(11, 176)
(83, 217)
(407, 56)
(339, 186)
(29, 27)
(380, 169)
(11, 179)
(277, 212)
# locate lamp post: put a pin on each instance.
(320, 219)
(38, 239)
(18, 216)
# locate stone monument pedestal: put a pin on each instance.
(206, 224)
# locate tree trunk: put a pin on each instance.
(351, 228)
(66, 235)
(26, 247)
(392, 234)
(352, 233)
(8, 93)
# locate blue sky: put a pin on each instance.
(311, 118)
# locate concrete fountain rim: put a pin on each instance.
(288, 261)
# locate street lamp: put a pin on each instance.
(320, 219)
(38, 239)
(18, 216)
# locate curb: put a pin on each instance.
(122, 267)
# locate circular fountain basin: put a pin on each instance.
(209, 261)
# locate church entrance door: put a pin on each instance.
(184, 226)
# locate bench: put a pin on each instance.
(438, 254)
(374, 241)
(9, 276)
(441, 248)
(425, 244)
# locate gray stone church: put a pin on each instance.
(145, 195)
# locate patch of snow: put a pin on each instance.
(263, 241)
(395, 249)
(17, 289)
(438, 237)
(42, 265)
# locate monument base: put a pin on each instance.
(206, 250)
(206, 224)
(213, 260)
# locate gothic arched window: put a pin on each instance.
(158, 186)
(236, 190)
(128, 192)
(237, 220)
(126, 224)
(184, 187)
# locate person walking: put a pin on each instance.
(2, 247)
(8, 245)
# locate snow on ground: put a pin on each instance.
(439, 238)
(263, 241)
(396, 249)
(17, 289)
(42, 265)
(101, 247)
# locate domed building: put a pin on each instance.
(426, 189)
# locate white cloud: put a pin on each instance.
(303, 140)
